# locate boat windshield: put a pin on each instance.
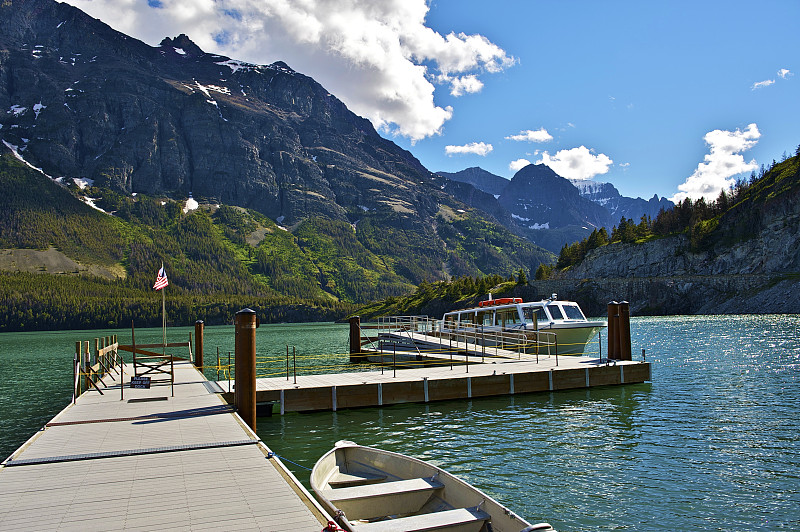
(529, 312)
(573, 312)
(555, 312)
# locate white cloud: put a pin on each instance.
(464, 84)
(518, 165)
(380, 58)
(577, 163)
(476, 148)
(624, 165)
(722, 163)
(762, 84)
(785, 73)
(540, 135)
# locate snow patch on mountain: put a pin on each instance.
(83, 182)
(236, 65)
(191, 205)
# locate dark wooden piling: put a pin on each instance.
(355, 340)
(199, 326)
(613, 331)
(624, 327)
(246, 323)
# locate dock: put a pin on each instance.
(496, 376)
(155, 445)
(151, 461)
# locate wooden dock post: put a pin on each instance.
(624, 326)
(613, 330)
(198, 344)
(245, 363)
(355, 339)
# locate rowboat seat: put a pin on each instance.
(425, 522)
(382, 489)
(399, 497)
(343, 480)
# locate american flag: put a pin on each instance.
(161, 280)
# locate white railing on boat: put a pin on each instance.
(423, 333)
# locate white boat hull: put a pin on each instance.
(574, 340)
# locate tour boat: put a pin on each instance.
(564, 318)
(372, 490)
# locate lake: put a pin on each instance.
(712, 443)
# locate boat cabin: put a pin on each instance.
(508, 313)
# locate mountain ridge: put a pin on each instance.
(533, 192)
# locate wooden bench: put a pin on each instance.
(424, 522)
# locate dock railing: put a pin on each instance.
(91, 367)
(398, 342)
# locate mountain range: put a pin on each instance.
(550, 210)
(241, 178)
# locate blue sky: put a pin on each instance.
(669, 98)
(641, 82)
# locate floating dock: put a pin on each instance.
(151, 461)
(442, 382)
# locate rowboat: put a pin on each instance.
(372, 490)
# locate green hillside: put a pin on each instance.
(93, 269)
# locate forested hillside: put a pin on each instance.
(219, 258)
(734, 216)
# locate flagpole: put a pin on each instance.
(164, 316)
(161, 284)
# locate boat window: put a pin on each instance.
(449, 321)
(508, 317)
(530, 312)
(555, 312)
(467, 319)
(486, 318)
(573, 312)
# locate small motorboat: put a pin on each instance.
(372, 490)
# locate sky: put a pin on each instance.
(675, 98)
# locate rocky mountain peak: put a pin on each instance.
(182, 45)
(480, 179)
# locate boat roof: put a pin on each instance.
(540, 303)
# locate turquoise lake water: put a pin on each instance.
(713, 443)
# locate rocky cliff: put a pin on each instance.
(748, 263)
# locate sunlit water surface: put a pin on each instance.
(712, 444)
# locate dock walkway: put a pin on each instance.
(151, 462)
